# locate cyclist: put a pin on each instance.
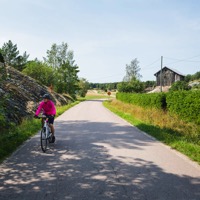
(48, 108)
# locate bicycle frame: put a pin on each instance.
(46, 134)
(46, 127)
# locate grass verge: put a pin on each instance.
(12, 138)
(93, 97)
(181, 136)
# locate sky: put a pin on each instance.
(106, 35)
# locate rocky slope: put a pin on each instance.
(20, 95)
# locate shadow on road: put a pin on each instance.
(89, 161)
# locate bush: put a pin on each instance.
(186, 104)
(179, 86)
(154, 100)
(132, 86)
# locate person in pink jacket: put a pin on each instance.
(47, 107)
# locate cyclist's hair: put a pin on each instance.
(46, 96)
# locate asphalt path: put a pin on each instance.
(98, 156)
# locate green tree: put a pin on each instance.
(196, 76)
(58, 55)
(131, 81)
(11, 56)
(193, 77)
(83, 87)
(40, 71)
(132, 71)
(188, 78)
(134, 86)
(67, 79)
(179, 85)
(3, 73)
(66, 71)
(1, 57)
(150, 84)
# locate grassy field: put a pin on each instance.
(11, 139)
(180, 135)
(98, 94)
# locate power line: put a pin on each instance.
(147, 66)
(157, 60)
(182, 60)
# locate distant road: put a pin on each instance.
(98, 156)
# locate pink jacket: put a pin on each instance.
(48, 108)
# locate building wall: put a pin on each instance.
(168, 77)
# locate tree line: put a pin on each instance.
(115, 86)
(132, 84)
(57, 70)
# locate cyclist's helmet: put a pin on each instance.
(46, 96)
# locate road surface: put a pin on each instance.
(98, 156)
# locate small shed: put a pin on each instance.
(169, 76)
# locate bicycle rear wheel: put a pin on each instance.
(50, 138)
(43, 140)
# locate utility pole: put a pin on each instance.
(161, 74)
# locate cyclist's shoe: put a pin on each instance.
(53, 139)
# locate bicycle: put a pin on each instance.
(45, 134)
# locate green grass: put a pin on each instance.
(173, 138)
(11, 139)
(93, 97)
(60, 110)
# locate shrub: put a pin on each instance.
(179, 86)
(132, 86)
(186, 104)
(154, 100)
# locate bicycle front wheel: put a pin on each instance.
(43, 140)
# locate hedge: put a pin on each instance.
(185, 104)
(153, 100)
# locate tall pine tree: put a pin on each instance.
(11, 56)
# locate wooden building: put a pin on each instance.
(169, 76)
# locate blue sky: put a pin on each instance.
(105, 35)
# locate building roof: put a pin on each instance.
(171, 69)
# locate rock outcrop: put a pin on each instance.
(20, 95)
(3, 72)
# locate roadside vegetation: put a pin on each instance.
(57, 70)
(98, 94)
(172, 117)
(13, 137)
(166, 117)
(170, 129)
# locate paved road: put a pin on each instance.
(98, 156)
